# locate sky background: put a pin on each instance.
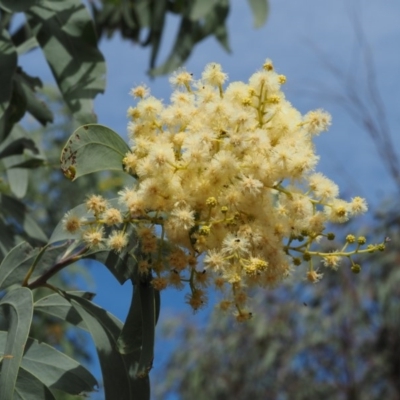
(295, 32)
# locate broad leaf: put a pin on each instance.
(36, 107)
(27, 46)
(17, 5)
(52, 368)
(7, 238)
(159, 13)
(59, 307)
(8, 62)
(105, 330)
(130, 339)
(19, 258)
(120, 381)
(30, 163)
(200, 8)
(191, 32)
(19, 212)
(28, 387)
(17, 177)
(65, 32)
(157, 304)
(139, 329)
(92, 148)
(214, 24)
(122, 267)
(17, 306)
(186, 39)
(126, 17)
(148, 306)
(260, 9)
(17, 147)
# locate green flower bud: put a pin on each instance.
(211, 201)
(361, 240)
(356, 268)
(350, 239)
(296, 261)
(381, 247)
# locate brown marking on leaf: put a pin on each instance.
(28, 251)
(85, 127)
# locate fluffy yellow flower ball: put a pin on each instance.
(226, 193)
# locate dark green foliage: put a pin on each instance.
(65, 33)
(17, 308)
(198, 20)
(125, 350)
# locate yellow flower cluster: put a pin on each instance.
(225, 194)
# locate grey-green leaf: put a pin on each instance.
(27, 46)
(17, 306)
(8, 62)
(186, 38)
(53, 368)
(8, 66)
(17, 5)
(130, 339)
(159, 13)
(28, 387)
(65, 32)
(105, 329)
(21, 256)
(7, 239)
(59, 307)
(148, 305)
(215, 23)
(36, 107)
(260, 9)
(19, 260)
(17, 147)
(200, 8)
(191, 32)
(20, 213)
(139, 329)
(92, 148)
(17, 177)
(122, 266)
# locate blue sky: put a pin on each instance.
(293, 30)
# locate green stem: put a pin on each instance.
(33, 266)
